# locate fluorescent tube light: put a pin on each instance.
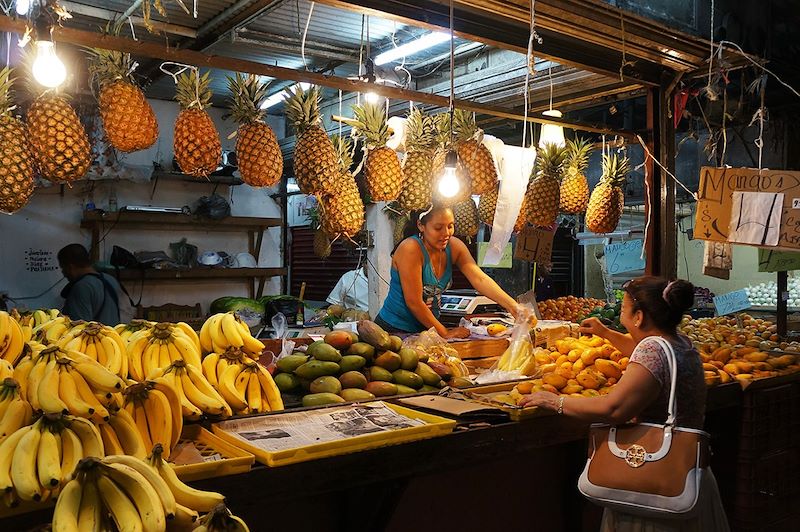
(413, 47)
(278, 97)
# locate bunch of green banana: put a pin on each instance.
(58, 381)
(100, 342)
(246, 385)
(50, 331)
(195, 393)
(36, 460)
(11, 338)
(42, 316)
(153, 348)
(125, 330)
(220, 519)
(224, 330)
(15, 412)
(155, 408)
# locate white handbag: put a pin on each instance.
(647, 469)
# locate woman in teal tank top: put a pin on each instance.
(422, 268)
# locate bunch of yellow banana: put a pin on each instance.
(36, 460)
(11, 338)
(100, 342)
(186, 496)
(58, 381)
(6, 369)
(50, 331)
(155, 407)
(220, 519)
(125, 330)
(195, 393)
(224, 330)
(153, 348)
(25, 322)
(15, 412)
(245, 384)
(42, 316)
(121, 436)
(518, 357)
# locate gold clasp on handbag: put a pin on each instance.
(635, 456)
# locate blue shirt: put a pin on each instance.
(396, 313)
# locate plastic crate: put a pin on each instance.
(232, 462)
(770, 420)
(768, 488)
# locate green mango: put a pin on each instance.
(377, 373)
(389, 360)
(355, 394)
(324, 352)
(286, 382)
(319, 399)
(326, 384)
(428, 389)
(408, 378)
(404, 390)
(290, 363)
(409, 358)
(351, 363)
(396, 343)
(382, 389)
(429, 377)
(362, 349)
(317, 368)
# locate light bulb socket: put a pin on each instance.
(451, 159)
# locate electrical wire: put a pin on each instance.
(37, 296)
(305, 34)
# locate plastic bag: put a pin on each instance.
(517, 361)
(184, 253)
(215, 207)
(442, 358)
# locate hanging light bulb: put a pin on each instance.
(449, 184)
(552, 133)
(47, 67)
(371, 97)
(23, 6)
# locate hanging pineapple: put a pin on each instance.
(16, 165)
(473, 154)
(322, 242)
(445, 144)
(59, 144)
(316, 165)
(543, 191)
(608, 197)
(466, 219)
(129, 121)
(488, 206)
(196, 145)
(381, 168)
(343, 211)
(257, 151)
(417, 163)
(574, 195)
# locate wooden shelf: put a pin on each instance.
(165, 221)
(187, 178)
(199, 274)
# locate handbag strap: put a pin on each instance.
(673, 369)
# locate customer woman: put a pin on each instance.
(422, 268)
(651, 307)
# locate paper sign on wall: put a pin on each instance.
(624, 257)
(732, 302)
(777, 261)
(505, 260)
(534, 245)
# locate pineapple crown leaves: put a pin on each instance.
(615, 169)
(578, 152)
(371, 125)
(192, 91)
(315, 216)
(550, 160)
(247, 95)
(6, 83)
(343, 147)
(302, 107)
(108, 66)
(442, 123)
(420, 131)
(464, 125)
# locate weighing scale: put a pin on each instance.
(457, 304)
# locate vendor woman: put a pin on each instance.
(422, 268)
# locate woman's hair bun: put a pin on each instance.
(680, 295)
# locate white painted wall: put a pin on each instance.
(51, 221)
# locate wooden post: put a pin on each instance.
(783, 295)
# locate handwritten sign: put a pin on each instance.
(732, 302)
(777, 261)
(40, 260)
(534, 245)
(505, 260)
(624, 257)
(715, 201)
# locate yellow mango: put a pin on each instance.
(578, 365)
(563, 346)
(525, 387)
(515, 395)
(572, 388)
(744, 377)
(567, 373)
(609, 368)
(744, 366)
(589, 356)
(605, 390)
(731, 368)
(724, 376)
(590, 393)
(560, 360)
(574, 355)
(572, 381)
(623, 362)
(616, 356)
(596, 341)
(589, 380)
(537, 388)
(606, 350)
(555, 380)
(547, 368)
(549, 388)
(504, 398)
(709, 367)
(712, 378)
(782, 361)
(756, 356)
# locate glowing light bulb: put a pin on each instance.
(552, 133)
(449, 184)
(371, 97)
(23, 6)
(48, 68)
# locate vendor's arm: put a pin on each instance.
(481, 282)
(633, 393)
(408, 260)
(623, 342)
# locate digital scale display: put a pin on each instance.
(456, 303)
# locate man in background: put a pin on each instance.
(352, 290)
(89, 296)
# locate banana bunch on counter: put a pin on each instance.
(15, 411)
(156, 410)
(220, 519)
(195, 394)
(225, 330)
(50, 331)
(11, 338)
(99, 342)
(153, 348)
(246, 386)
(126, 330)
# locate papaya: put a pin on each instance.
(324, 352)
(319, 399)
(381, 389)
(408, 359)
(316, 368)
(290, 363)
(355, 394)
(372, 333)
(362, 349)
(326, 384)
(408, 378)
(377, 373)
(340, 340)
(389, 360)
(351, 363)
(286, 382)
(396, 343)
(353, 379)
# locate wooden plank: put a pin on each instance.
(199, 274)
(169, 221)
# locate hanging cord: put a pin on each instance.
(647, 152)
(532, 36)
(759, 65)
(340, 113)
(649, 211)
(360, 58)
(305, 34)
(183, 68)
(452, 72)
(133, 32)
(550, 79)
(712, 95)
(624, 54)
(8, 48)
(760, 116)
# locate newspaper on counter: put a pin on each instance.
(290, 431)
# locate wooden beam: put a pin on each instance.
(108, 14)
(203, 60)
